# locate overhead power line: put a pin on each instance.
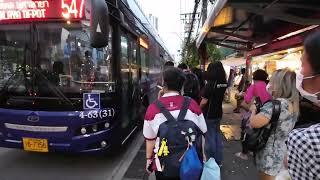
(192, 20)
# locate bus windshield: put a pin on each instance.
(42, 58)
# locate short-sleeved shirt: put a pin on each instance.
(173, 103)
(304, 153)
(258, 89)
(270, 159)
(192, 87)
(214, 92)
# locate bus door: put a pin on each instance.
(125, 79)
(145, 81)
(130, 79)
(134, 89)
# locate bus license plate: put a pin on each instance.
(37, 145)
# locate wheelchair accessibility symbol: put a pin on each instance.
(91, 101)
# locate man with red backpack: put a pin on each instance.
(171, 124)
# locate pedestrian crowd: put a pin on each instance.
(280, 120)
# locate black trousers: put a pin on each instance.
(159, 176)
(243, 127)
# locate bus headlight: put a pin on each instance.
(83, 130)
(95, 128)
(103, 144)
(107, 125)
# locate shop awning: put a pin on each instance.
(246, 25)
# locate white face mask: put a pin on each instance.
(315, 98)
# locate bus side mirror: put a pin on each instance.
(99, 25)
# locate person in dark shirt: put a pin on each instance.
(168, 64)
(199, 74)
(184, 67)
(211, 105)
(191, 87)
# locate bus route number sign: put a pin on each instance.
(95, 114)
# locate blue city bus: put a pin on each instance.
(75, 75)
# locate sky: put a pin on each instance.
(170, 25)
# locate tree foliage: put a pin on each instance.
(191, 57)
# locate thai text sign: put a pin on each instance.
(41, 9)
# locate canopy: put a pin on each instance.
(246, 25)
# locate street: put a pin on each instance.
(20, 165)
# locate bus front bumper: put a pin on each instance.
(97, 142)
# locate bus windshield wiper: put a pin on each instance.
(53, 88)
(36, 50)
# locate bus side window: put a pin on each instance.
(133, 58)
(124, 61)
(144, 61)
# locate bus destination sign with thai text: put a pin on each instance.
(41, 9)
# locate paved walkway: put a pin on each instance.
(233, 168)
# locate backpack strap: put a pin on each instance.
(184, 109)
(276, 110)
(164, 111)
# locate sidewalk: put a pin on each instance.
(233, 168)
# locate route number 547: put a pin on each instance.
(72, 8)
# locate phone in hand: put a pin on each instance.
(150, 167)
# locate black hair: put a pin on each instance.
(216, 72)
(173, 79)
(183, 66)
(312, 48)
(243, 71)
(199, 74)
(87, 54)
(260, 75)
(169, 64)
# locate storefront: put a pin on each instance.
(289, 58)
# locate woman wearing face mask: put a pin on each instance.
(304, 142)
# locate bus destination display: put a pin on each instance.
(13, 10)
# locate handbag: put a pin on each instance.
(191, 166)
(255, 139)
(211, 170)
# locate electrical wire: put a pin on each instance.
(192, 21)
(200, 19)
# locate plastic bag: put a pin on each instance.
(191, 166)
(211, 170)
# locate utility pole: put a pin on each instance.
(204, 11)
(203, 47)
(186, 19)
